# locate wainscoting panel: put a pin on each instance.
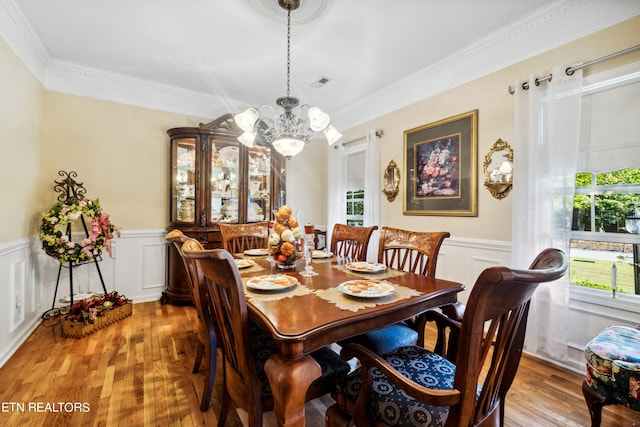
(30, 277)
(462, 260)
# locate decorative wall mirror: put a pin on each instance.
(498, 169)
(391, 181)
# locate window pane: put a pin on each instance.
(592, 262)
(624, 176)
(581, 213)
(611, 210)
(583, 179)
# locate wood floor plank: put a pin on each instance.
(137, 372)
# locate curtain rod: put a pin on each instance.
(570, 70)
(379, 133)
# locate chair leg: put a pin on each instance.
(595, 402)
(334, 417)
(199, 355)
(209, 380)
(224, 406)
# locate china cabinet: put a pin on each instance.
(214, 178)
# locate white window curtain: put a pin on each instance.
(547, 124)
(372, 191)
(337, 180)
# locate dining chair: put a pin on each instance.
(351, 242)
(415, 252)
(413, 386)
(245, 352)
(237, 238)
(207, 338)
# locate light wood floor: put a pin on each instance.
(137, 372)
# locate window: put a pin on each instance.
(355, 185)
(601, 245)
(607, 190)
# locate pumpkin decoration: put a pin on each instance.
(284, 240)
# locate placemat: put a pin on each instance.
(254, 257)
(258, 296)
(347, 302)
(389, 273)
(253, 269)
(323, 260)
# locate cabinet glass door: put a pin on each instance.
(183, 177)
(225, 179)
(259, 181)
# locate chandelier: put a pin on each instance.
(289, 131)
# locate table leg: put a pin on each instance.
(290, 380)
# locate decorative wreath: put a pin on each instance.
(56, 236)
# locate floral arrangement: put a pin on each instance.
(285, 239)
(88, 310)
(57, 243)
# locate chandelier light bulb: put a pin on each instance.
(247, 138)
(318, 120)
(288, 147)
(247, 119)
(332, 135)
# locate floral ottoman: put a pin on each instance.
(613, 365)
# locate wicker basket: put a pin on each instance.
(81, 329)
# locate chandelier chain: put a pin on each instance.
(288, 50)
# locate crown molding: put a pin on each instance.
(544, 30)
(19, 36)
(552, 27)
(88, 82)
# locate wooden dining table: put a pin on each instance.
(315, 313)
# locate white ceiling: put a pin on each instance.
(209, 57)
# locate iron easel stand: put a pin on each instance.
(70, 190)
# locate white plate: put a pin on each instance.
(272, 282)
(245, 263)
(321, 254)
(366, 267)
(256, 252)
(366, 288)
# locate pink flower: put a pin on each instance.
(82, 203)
(53, 219)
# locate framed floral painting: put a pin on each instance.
(441, 160)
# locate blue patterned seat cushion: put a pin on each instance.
(392, 406)
(389, 338)
(613, 364)
(263, 347)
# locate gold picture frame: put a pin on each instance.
(441, 167)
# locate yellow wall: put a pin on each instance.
(489, 95)
(20, 119)
(120, 152)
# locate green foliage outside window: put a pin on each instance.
(610, 209)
